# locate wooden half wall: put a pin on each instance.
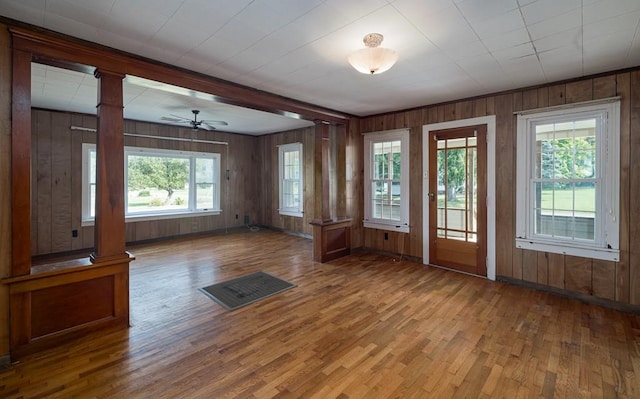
(612, 281)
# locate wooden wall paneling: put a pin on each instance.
(308, 144)
(543, 268)
(61, 198)
(529, 265)
(414, 118)
(480, 107)
(604, 87)
(414, 238)
(34, 183)
(464, 109)
(43, 180)
(88, 233)
(341, 171)
(543, 97)
(556, 270)
(517, 103)
(516, 262)
(634, 193)
(505, 136)
(581, 90)
(604, 279)
(623, 89)
(431, 115)
(449, 112)
(578, 274)
(355, 187)
(557, 95)
(5, 186)
(530, 99)
(76, 182)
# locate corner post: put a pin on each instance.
(110, 223)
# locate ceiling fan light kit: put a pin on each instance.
(373, 59)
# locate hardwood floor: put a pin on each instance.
(365, 326)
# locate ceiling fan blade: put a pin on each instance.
(206, 126)
(168, 119)
(217, 123)
(181, 117)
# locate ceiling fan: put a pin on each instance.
(196, 124)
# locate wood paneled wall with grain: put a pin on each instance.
(269, 180)
(614, 281)
(5, 187)
(57, 180)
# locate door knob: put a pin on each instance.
(432, 196)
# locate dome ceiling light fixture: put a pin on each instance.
(373, 59)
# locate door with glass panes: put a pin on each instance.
(457, 199)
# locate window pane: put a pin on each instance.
(157, 184)
(205, 183)
(92, 183)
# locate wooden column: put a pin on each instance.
(322, 204)
(331, 238)
(110, 224)
(21, 164)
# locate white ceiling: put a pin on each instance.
(449, 49)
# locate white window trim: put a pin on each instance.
(290, 211)
(383, 224)
(606, 245)
(88, 220)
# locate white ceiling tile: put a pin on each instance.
(293, 8)
(99, 7)
(571, 37)
(541, 10)
(74, 11)
(502, 41)
(556, 24)
(604, 27)
(29, 11)
(478, 10)
(210, 15)
(502, 24)
(603, 9)
(178, 37)
(515, 52)
(562, 63)
(464, 50)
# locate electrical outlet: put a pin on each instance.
(74, 233)
(386, 236)
(236, 216)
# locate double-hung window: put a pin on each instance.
(568, 180)
(159, 183)
(386, 176)
(290, 172)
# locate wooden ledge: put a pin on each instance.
(52, 267)
(330, 222)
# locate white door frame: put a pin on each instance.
(490, 121)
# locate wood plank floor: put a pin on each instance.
(365, 326)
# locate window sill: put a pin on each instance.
(291, 213)
(573, 250)
(159, 216)
(402, 228)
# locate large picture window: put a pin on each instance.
(387, 180)
(290, 170)
(568, 181)
(159, 183)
